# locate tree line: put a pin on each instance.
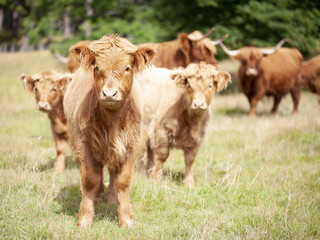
(60, 23)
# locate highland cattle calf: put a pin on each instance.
(177, 111)
(103, 107)
(268, 71)
(310, 75)
(49, 88)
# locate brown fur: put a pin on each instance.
(183, 51)
(273, 75)
(177, 111)
(104, 110)
(310, 75)
(49, 88)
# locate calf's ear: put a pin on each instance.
(180, 79)
(142, 58)
(222, 80)
(83, 54)
(28, 82)
(63, 83)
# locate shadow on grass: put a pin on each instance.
(70, 197)
(70, 164)
(232, 112)
(175, 176)
(236, 112)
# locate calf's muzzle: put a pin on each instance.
(43, 106)
(110, 94)
(199, 105)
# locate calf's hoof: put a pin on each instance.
(156, 174)
(189, 182)
(58, 170)
(85, 221)
(126, 221)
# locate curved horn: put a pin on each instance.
(231, 53)
(216, 42)
(276, 48)
(60, 57)
(192, 38)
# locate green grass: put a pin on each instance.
(256, 178)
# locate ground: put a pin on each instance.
(256, 178)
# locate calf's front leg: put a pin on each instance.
(112, 194)
(189, 158)
(91, 180)
(161, 155)
(122, 183)
(61, 146)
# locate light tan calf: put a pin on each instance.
(177, 111)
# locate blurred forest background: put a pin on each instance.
(60, 23)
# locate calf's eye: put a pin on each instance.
(53, 90)
(96, 69)
(127, 69)
(210, 86)
(36, 89)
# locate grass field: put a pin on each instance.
(256, 178)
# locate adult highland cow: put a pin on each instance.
(188, 48)
(268, 71)
(310, 75)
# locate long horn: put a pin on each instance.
(216, 42)
(229, 52)
(191, 37)
(60, 57)
(276, 48)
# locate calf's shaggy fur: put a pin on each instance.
(104, 110)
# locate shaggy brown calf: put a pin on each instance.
(49, 89)
(177, 111)
(310, 75)
(268, 71)
(104, 109)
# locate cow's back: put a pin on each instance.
(311, 66)
(168, 54)
(280, 70)
(157, 86)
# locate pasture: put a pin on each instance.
(256, 178)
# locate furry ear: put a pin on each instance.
(83, 54)
(142, 58)
(63, 83)
(180, 79)
(222, 80)
(28, 82)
